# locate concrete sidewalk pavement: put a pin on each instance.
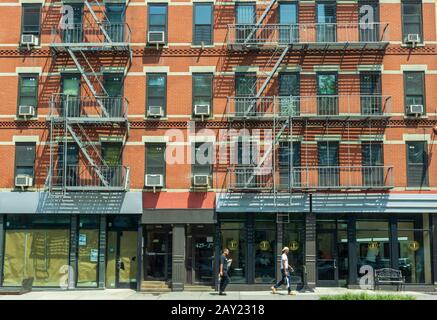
(127, 294)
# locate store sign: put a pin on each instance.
(82, 239)
(264, 245)
(232, 245)
(373, 245)
(293, 246)
(414, 245)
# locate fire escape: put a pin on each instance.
(283, 113)
(76, 120)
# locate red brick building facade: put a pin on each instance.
(345, 89)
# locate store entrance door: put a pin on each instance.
(157, 255)
(327, 259)
(200, 259)
(121, 267)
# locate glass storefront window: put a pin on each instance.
(233, 237)
(415, 250)
(38, 254)
(88, 251)
(294, 238)
(265, 248)
(373, 244)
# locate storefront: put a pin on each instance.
(346, 243)
(70, 251)
(255, 241)
(178, 248)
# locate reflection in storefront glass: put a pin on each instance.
(414, 251)
(265, 246)
(373, 247)
(234, 238)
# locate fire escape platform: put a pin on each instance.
(311, 46)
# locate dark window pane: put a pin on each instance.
(31, 19)
(155, 159)
(25, 154)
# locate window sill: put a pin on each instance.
(418, 189)
(21, 119)
(199, 46)
(155, 118)
(413, 118)
(417, 45)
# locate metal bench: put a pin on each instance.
(389, 276)
(26, 286)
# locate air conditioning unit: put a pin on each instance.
(156, 37)
(23, 180)
(154, 180)
(26, 111)
(202, 110)
(29, 40)
(416, 109)
(413, 38)
(201, 180)
(155, 111)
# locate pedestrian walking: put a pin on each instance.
(286, 269)
(225, 263)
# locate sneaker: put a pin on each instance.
(222, 294)
(292, 293)
(273, 290)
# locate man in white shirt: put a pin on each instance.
(285, 272)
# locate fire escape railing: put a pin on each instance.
(314, 106)
(69, 114)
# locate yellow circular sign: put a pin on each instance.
(232, 245)
(414, 245)
(264, 245)
(293, 245)
(373, 245)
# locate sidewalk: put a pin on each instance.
(127, 294)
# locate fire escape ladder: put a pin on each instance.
(83, 147)
(260, 20)
(83, 72)
(270, 75)
(96, 19)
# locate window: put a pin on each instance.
(368, 19)
(327, 99)
(202, 159)
(245, 89)
(289, 164)
(328, 164)
(156, 90)
(373, 170)
(414, 90)
(288, 16)
(31, 19)
(155, 159)
(411, 19)
(113, 84)
(25, 158)
(203, 15)
(245, 18)
(112, 154)
(88, 251)
(326, 22)
(289, 90)
(74, 34)
(158, 18)
(115, 14)
(28, 90)
(370, 89)
(202, 89)
(70, 95)
(71, 154)
(417, 164)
